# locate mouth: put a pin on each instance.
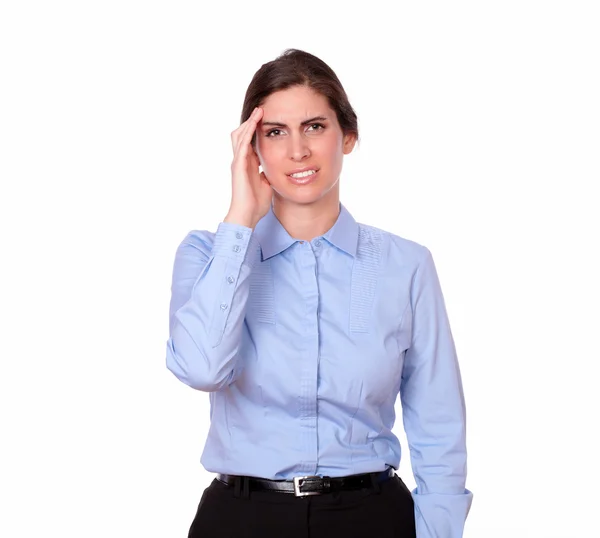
(305, 177)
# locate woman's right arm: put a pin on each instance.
(209, 293)
(211, 273)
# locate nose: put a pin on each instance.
(299, 148)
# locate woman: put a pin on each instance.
(304, 326)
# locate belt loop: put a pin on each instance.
(236, 486)
(375, 483)
(246, 488)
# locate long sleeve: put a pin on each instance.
(434, 413)
(209, 293)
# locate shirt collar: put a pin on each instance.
(274, 238)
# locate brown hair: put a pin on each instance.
(295, 67)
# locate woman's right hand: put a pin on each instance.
(251, 191)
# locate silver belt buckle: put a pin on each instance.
(297, 484)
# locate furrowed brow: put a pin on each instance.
(305, 122)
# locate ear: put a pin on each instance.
(349, 142)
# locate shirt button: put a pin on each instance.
(230, 279)
(317, 243)
(223, 306)
(236, 248)
(238, 235)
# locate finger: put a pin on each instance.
(244, 155)
(242, 139)
(235, 134)
(238, 133)
(243, 125)
(245, 160)
(246, 136)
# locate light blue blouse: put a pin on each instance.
(304, 348)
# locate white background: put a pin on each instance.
(480, 139)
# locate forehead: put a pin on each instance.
(295, 104)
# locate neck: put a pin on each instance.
(307, 221)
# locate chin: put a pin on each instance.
(304, 196)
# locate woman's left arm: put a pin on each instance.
(434, 413)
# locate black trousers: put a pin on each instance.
(385, 511)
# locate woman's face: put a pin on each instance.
(298, 129)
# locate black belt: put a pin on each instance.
(312, 485)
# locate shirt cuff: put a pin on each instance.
(237, 242)
(440, 515)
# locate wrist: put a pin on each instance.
(240, 218)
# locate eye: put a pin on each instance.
(270, 133)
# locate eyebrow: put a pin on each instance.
(305, 122)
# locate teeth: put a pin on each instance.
(303, 174)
